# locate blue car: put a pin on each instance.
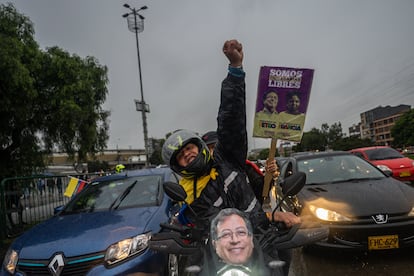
(104, 230)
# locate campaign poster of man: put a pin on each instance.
(282, 100)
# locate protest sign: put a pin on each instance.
(282, 101)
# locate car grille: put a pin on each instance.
(79, 265)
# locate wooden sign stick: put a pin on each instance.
(268, 178)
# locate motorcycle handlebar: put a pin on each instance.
(173, 227)
(187, 232)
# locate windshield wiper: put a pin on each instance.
(122, 196)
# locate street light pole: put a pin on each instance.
(137, 26)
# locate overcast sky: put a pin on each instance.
(361, 51)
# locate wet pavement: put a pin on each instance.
(337, 263)
(321, 262)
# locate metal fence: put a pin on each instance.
(26, 201)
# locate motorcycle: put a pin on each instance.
(182, 241)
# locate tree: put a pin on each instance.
(263, 154)
(403, 130)
(333, 134)
(347, 143)
(312, 140)
(156, 156)
(51, 100)
(329, 137)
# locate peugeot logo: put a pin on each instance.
(56, 264)
(380, 218)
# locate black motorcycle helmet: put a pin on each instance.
(199, 166)
(210, 137)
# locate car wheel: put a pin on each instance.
(172, 265)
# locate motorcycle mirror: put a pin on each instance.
(174, 191)
(177, 193)
(293, 184)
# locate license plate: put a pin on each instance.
(383, 242)
(405, 174)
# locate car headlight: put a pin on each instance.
(327, 215)
(411, 214)
(10, 261)
(126, 248)
(384, 168)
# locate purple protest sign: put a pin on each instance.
(282, 101)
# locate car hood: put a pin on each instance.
(394, 164)
(82, 233)
(361, 198)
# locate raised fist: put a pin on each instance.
(234, 52)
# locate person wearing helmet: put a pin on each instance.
(210, 184)
(119, 168)
(210, 138)
(256, 180)
(215, 184)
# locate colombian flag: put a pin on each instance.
(75, 185)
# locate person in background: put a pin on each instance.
(13, 204)
(210, 138)
(59, 186)
(41, 185)
(50, 183)
(119, 168)
(84, 175)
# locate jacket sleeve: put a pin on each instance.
(231, 121)
(256, 181)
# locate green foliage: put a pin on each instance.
(329, 137)
(403, 130)
(314, 140)
(51, 100)
(156, 156)
(348, 143)
(263, 154)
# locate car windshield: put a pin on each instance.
(114, 194)
(337, 168)
(383, 154)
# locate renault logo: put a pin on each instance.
(56, 264)
(380, 218)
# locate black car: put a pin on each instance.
(364, 208)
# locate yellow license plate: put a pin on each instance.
(383, 242)
(405, 174)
